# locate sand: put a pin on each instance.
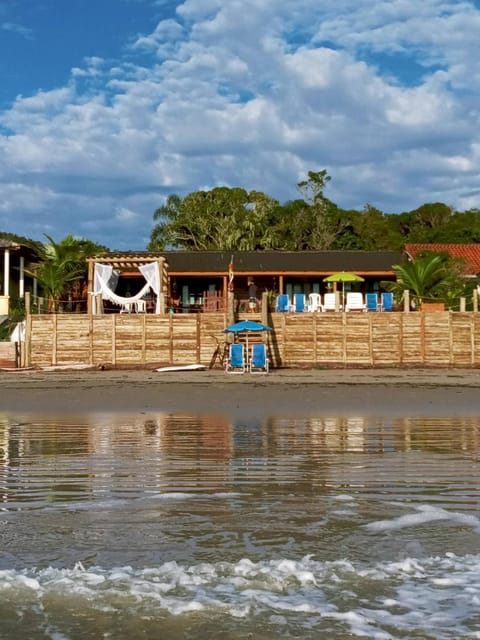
(372, 392)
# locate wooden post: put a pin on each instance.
(90, 286)
(90, 338)
(27, 358)
(198, 338)
(164, 286)
(170, 338)
(114, 338)
(98, 303)
(463, 304)
(264, 314)
(230, 309)
(406, 301)
(337, 300)
(475, 300)
(54, 339)
(144, 338)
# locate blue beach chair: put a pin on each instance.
(282, 303)
(299, 302)
(258, 362)
(371, 300)
(235, 362)
(387, 301)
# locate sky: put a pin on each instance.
(109, 106)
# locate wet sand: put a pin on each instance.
(372, 392)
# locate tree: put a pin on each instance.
(422, 225)
(376, 231)
(220, 219)
(321, 222)
(462, 227)
(61, 266)
(430, 277)
(162, 236)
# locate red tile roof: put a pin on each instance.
(469, 252)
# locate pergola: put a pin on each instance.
(127, 263)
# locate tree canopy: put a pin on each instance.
(61, 266)
(230, 219)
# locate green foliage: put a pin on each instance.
(431, 277)
(20, 240)
(234, 219)
(223, 218)
(61, 267)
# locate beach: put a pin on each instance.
(289, 392)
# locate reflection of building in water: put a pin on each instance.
(170, 433)
(335, 433)
(47, 449)
(116, 455)
(128, 434)
(437, 434)
(48, 436)
(200, 436)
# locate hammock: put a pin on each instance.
(105, 280)
(108, 294)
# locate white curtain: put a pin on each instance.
(151, 273)
(105, 281)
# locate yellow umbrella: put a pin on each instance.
(344, 276)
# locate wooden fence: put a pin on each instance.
(438, 339)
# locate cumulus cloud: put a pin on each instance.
(251, 94)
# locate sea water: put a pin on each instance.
(177, 526)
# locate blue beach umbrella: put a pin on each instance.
(245, 326)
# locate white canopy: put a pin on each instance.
(105, 281)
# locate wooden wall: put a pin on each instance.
(435, 339)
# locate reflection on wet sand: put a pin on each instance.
(72, 458)
(217, 437)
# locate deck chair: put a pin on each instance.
(282, 303)
(371, 300)
(355, 301)
(258, 362)
(127, 307)
(235, 362)
(387, 301)
(314, 302)
(299, 302)
(329, 302)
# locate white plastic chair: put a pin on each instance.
(314, 302)
(355, 301)
(127, 307)
(330, 302)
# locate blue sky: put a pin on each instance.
(108, 106)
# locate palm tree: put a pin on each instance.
(427, 278)
(61, 266)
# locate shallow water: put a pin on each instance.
(191, 526)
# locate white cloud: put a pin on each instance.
(249, 94)
(17, 28)
(126, 216)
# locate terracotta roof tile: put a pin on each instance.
(469, 252)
